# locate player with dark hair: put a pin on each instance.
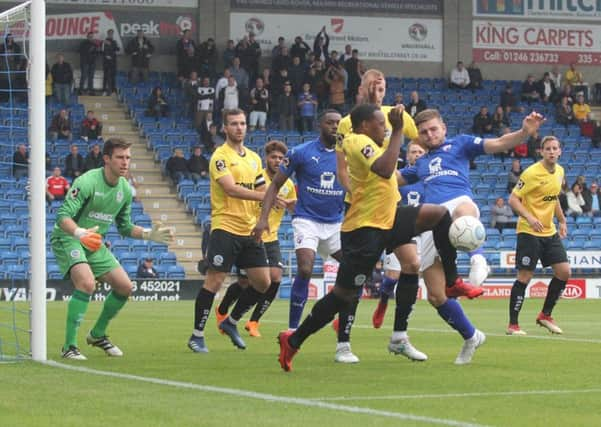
(369, 226)
(274, 154)
(372, 90)
(235, 181)
(535, 198)
(97, 198)
(317, 215)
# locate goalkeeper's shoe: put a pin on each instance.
(197, 344)
(73, 353)
(232, 331)
(104, 343)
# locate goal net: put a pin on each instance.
(22, 183)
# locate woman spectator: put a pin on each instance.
(565, 114)
(575, 200)
(157, 104)
(501, 215)
(500, 121)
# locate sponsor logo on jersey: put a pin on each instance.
(549, 198)
(326, 180)
(101, 216)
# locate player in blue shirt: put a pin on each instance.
(317, 216)
(444, 171)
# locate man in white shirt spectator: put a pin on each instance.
(222, 82)
(555, 76)
(229, 96)
(460, 78)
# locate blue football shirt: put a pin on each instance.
(445, 170)
(320, 196)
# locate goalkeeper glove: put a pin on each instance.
(158, 233)
(89, 238)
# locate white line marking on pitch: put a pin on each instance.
(455, 395)
(264, 396)
(489, 334)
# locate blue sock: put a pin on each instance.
(479, 251)
(298, 299)
(387, 289)
(453, 314)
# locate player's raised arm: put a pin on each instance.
(269, 199)
(531, 123)
(385, 165)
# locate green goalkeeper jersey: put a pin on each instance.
(92, 201)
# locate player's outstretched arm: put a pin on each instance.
(530, 125)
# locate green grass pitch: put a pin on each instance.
(538, 380)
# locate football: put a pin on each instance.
(467, 233)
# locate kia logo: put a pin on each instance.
(572, 292)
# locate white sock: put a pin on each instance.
(342, 345)
(399, 335)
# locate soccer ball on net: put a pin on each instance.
(467, 233)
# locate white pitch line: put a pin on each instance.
(488, 334)
(456, 395)
(265, 396)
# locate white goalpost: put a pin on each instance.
(23, 114)
(37, 129)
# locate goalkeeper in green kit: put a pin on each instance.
(96, 200)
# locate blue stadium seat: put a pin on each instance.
(175, 272)
(167, 258)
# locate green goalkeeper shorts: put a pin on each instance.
(69, 251)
